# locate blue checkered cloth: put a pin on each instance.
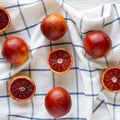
(89, 100)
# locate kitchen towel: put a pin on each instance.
(89, 99)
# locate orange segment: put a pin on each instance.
(111, 79)
(4, 19)
(21, 88)
(60, 60)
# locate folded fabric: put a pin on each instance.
(89, 100)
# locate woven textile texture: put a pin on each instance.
(89, 100)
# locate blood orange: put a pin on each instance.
(4, 19)
(97, 44)
(111, 79)
(15, 50)
(60, 60)
(21, 88)
(54, 26)
(58, 102)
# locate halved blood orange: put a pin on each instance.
(111, 79)
(60, 60)
(21, 88)
(4, 19)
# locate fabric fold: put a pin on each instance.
(89, 100)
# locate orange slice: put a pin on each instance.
(60, 60)
(111, 79)
(21, 88)
(4, 19)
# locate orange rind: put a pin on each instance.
(15, 50)
(111, 79)
(60, 60)
(21, 88)
(4, 19)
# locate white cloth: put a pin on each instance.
(89, 100)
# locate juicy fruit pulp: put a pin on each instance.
(111, 79)
(97, 44)
(4, 19)
(60, 60)
(54, 26)
(15, 50)
(58, 102)
(21, 88)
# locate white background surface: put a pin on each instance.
(87, 4)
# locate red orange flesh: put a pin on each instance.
(21, 88)
(4, 19)
(111, 79)
(60, 60)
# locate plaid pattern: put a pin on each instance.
(89, 100)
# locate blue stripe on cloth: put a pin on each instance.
(23, 29)
(115, 20)
(81, 23)
(71, 93)
(34, 118)
(98, 106)
(26, 4)
(45, 70)
(78, 46)
(106, 61)
(116, 46)
(62, 4)
(69, 19)
(92, 89)
(26, 27)
(117, 13)
(29, 36)
(114, 112)
(8, 101)
(45, 10)
(109, 103)
(50, 45)
(73, 68)
(76, 74)
(102, 11)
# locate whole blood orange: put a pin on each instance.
(111, 79)
(58, 102)
(60, 60)
(21, 88)
(15, 50)
(54, 26)
(4, 19)
(97, 44)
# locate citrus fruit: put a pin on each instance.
(4, 19)
(21, 88)
(60, 60)
(15, 50)
(54, 26)
(111, 79)
(58, 102)
(97, 44)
